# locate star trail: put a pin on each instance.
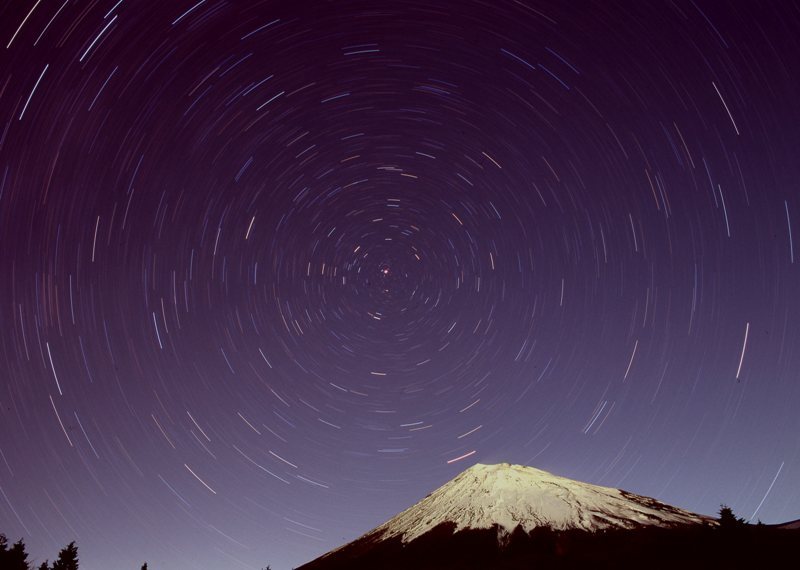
(272, 271)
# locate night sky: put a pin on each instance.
(272, 271)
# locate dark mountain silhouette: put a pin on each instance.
(511, 517)
(791, 525)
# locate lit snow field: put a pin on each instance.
(514, 495)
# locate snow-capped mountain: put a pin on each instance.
(490, 513)
(512, 495)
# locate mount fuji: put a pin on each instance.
(506, 516)
(509, 496)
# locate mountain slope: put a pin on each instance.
(791, 525)
(508, 516)
(512, 495)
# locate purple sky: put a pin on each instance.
(270, 274)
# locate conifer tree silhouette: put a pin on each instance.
(67, 558)
(44, 565)
(727, 520)
(15, 558)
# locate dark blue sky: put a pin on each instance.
(271, 273)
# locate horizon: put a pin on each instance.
(270, 273)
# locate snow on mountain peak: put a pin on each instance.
(514, 495)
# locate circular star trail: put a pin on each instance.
(271, 272)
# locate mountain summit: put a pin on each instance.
(510, 496)
(488, 511)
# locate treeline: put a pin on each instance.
(731, 543)
(14, 557)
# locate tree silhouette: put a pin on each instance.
(727, 520)
(15, 558)
(67, 558)
(3, 550)
(44, 566)
(144, 566)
